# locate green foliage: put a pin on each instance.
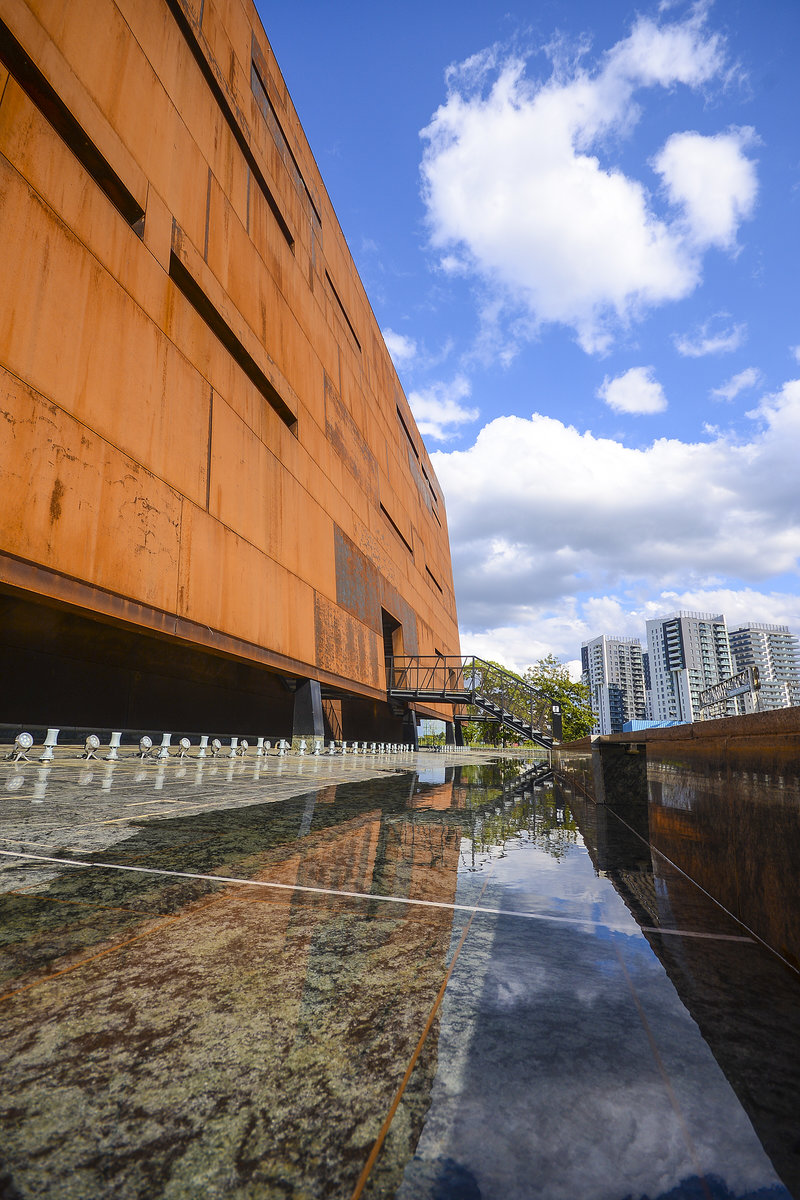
(551, 683)
(551, 679)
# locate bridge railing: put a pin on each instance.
(456, 678)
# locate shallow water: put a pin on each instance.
(417, 986)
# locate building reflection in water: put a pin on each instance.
(181, 1036)
(733, 833)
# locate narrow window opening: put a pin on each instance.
(343, 310)
(401, 419)
(200, 302)
(273, 120)
(433, 579)
(217, 92)
(397, 530)
(37, 88)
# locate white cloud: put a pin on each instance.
(583, 515)
(710, 340)
(795, 352)
(637, 391)
(560, 629)
(712, 180)
(403, 349)
(438, 410)
(748, 378)
(514, 185)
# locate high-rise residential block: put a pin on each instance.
(776, 653)
(688, 652)
(614, 672)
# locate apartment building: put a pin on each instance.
(689, 652)
(614, 673)
(775, 652)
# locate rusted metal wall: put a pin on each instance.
(197, 410)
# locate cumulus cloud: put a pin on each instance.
(712, 181)
(637, 391)
(403, 349)
(438, 410)
(580, 514)
(749, 378)
(515, 187)
(540, 629)
(708, 339)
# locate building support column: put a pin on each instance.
(410, 734)
(308, 721)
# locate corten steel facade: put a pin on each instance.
(212, 485)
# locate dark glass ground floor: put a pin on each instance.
(294, 981)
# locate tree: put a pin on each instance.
(551, 680)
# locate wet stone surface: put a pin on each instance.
(415, 983)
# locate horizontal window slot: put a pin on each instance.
(427, 480)
(183, 23)
(71, 132)
(396, 529)
(343, 311)
(433, 578)
(271, 117)
(401, 419)
(200, 302)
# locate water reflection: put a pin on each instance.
(180, 1034)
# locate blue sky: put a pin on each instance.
(579, 227)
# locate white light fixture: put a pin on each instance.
(113, 747)
(49, 742)
(91, 746)
(145, 746)
(216, 746)
(184, 747)
(22, 744)
(244, 746)
(164, 748)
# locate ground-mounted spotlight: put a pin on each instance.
(22, 744)
(317, 747)
(244, 746)
(145, 746)
(301, 749)
(184, 746)
(91, 746)
(216, 746)
(331, 747)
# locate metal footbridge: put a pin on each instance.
(492, 693)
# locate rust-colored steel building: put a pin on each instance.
(214, 497)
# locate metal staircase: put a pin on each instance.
(483, 686)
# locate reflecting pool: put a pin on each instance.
(440, 983)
